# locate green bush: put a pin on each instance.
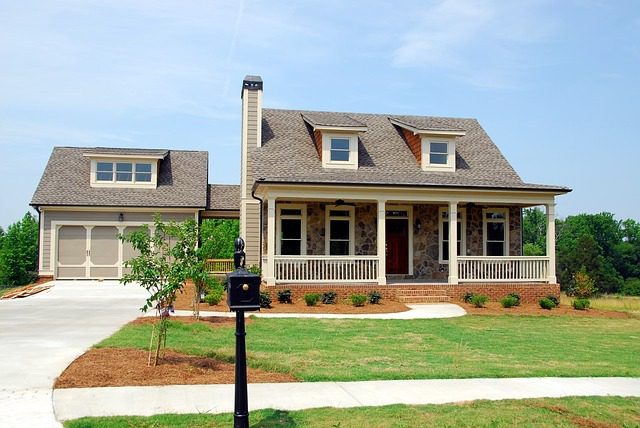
(515, 296)
(254, 269)
(329, 297)
(19, 252)
(358, 299)
(374, 297)
(467, 297)
(214, 292)
(265, 300)
(546, 303)
(311, 299)
(581, 304)
(631, 287)
(285, 296)
(478, 300)
(212, 298)
(554, 299)
(509, 301)
(582, 285)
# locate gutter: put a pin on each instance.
(253, 195)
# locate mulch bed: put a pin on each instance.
(299, 306)
(494, 308)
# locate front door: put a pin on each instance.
(397, 246)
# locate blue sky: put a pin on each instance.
(555, 84)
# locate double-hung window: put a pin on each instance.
(340, 151)
(340, 231)
(104, 171)
(444, 233)
(292, 237)
(438, 154)
(496, 231)
(123, 173)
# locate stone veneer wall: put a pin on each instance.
(426, 255)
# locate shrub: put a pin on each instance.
(478, 300)
(581, 304)
(329, 297)
(285, 296)
(214, 292)
(515, 296)
(374, 297)
(546, 303)
(583, 285)
(467, 297)
(212, 298)
(311, 299)
(358, 299)
(509, 301)
(631, 287)
(554, 299)
(265, 300)
(254, 269)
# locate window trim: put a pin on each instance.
(505, 221)
(118, 183)
(327, 225)
(303, 225)
(352, 163)
(426, 152)
(463, 233)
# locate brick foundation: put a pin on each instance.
(529, 293)
(43, 279)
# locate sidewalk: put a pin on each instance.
(148, 400)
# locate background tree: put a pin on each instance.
(534, 232)
(19, 252)
(217, 237)
(167, 258)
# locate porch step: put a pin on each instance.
(422, 296)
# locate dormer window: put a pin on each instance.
(119, 173)
(340, 151)
(438, 154)
(336, 138)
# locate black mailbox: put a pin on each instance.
(243, 291)
(243, 287)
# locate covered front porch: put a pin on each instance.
(401, 236)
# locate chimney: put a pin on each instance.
(251, 141)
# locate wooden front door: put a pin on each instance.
(397, 246)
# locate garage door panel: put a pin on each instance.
(104, 272)
(72, 272)
(104, 245)
(72, 245)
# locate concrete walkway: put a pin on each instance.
(145, 401)
(42, 334)
(416, 311)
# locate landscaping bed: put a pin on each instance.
(494, 308)
(299, 306)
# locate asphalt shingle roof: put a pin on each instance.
(182, 181)
(224, 197)
(326, 118)
(288, 154)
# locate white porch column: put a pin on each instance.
(551, 242)
(453, 242)
(270, 277)
(382, 242)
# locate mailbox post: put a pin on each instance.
(243, 294)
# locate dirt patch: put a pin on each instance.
(299, 306)
(128, 367)
(494, 308)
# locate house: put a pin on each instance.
(350, 201)
(421, 205)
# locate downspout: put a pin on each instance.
(253, 195)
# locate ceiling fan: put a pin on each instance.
(341, 202)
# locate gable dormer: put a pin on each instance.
(124, 168)
(432, 142)
(336, 138)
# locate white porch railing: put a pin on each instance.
(503, 269)
(326, 268)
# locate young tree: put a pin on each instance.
(167, 258)
(217, 238)
(19, 252)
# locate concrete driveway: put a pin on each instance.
(40, 335)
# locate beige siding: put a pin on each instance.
(252, 236)
(95, 216)
(252, 135)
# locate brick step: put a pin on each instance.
(424, 299)
(421, 292)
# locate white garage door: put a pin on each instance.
(91, 251)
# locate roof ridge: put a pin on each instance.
(347, 113)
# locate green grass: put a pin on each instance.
(610, 302)
(540, 413)
(465, 347)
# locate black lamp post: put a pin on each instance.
(243, 294)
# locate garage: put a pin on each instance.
(91, 251)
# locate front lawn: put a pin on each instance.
(610, 302)
(541, 413)
(466, 347)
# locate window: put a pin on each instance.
(104, 171)
(292, 237)
(496, 231)
(340, 231)
(438, 154)
(340, 151)
(444, 233)
(123, 173)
